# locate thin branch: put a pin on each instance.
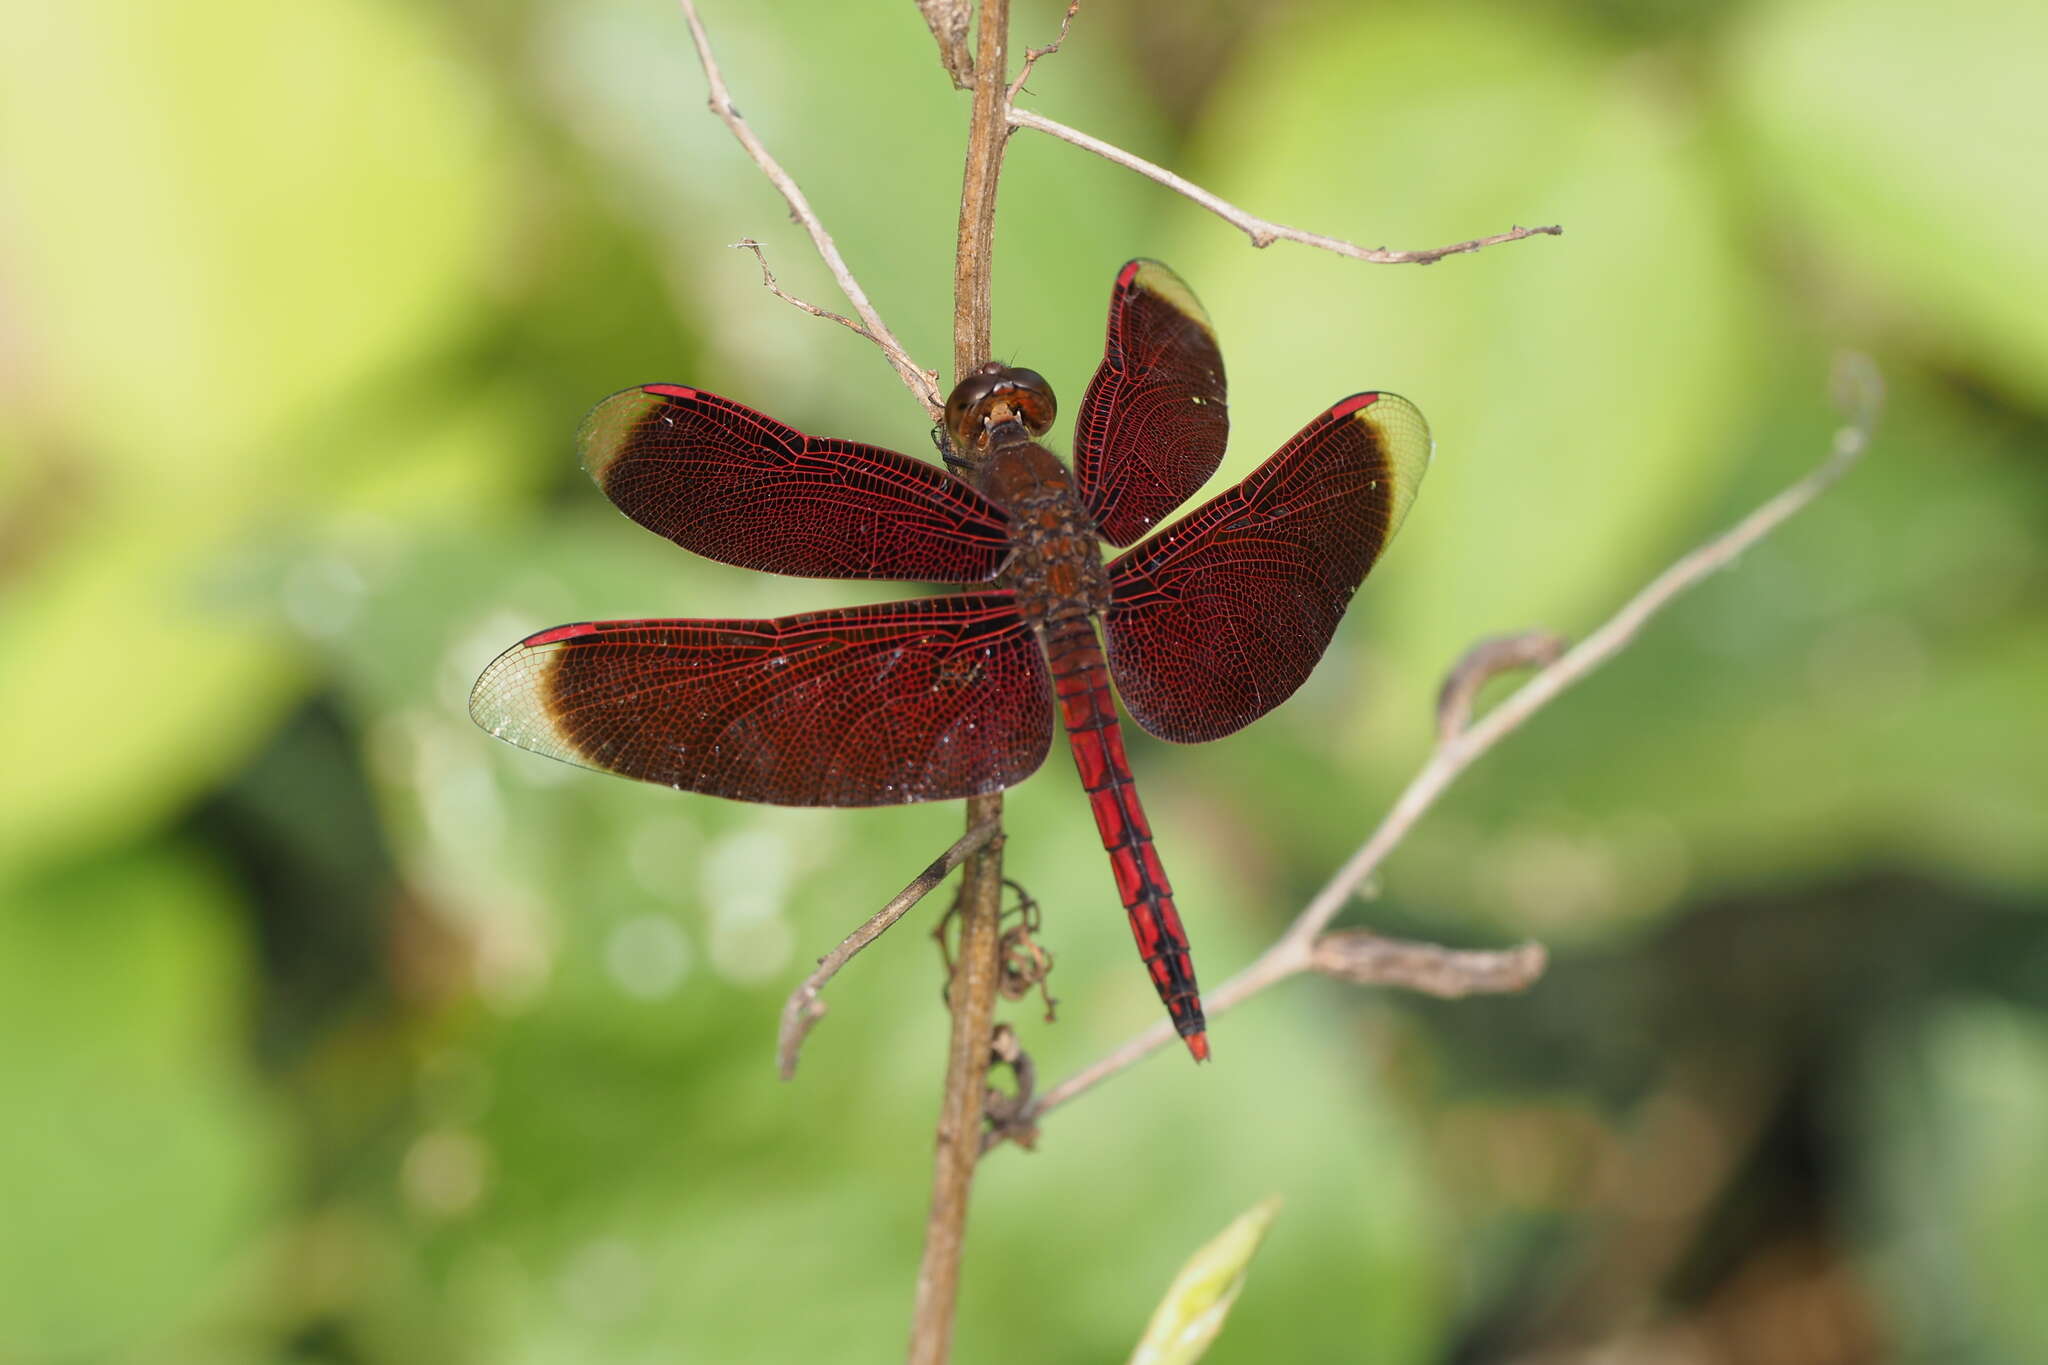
(977, 974)
(971, 998)
(769, 283)
(1263, 232)
(804, 1008)
(1366, 959)
(922, 384)
(1032, 54)
(974, 260)
(1484, 662)
(1859, 390)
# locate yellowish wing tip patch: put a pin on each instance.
(1404, 435)
(1156, 279)
(609, 425)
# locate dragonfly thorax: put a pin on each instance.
(1055, 561)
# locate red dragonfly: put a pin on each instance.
(1209, 623)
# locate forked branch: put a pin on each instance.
(769, 283)
(922, 383)
(1032, 54)
(1859, 391)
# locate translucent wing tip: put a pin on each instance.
(1402, 436)
(1156, 279)
(512, 698)
(609, 428)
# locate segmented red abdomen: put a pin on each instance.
(1081, 683)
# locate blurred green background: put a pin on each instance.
(332, 1031)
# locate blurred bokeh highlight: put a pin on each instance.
(333, 1031)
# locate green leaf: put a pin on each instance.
(1199, 1299)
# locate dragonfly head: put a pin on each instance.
(995, 396)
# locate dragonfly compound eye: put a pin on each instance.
(1033, 399)
(977, 397)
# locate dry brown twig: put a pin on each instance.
(1364, 958)
(949, 22)
(804, 1008)
(922, 383)
(1484, 662)
(1860, 392)
(977, 973)
(769, 283)
(1032, 54)
(1262, 231)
